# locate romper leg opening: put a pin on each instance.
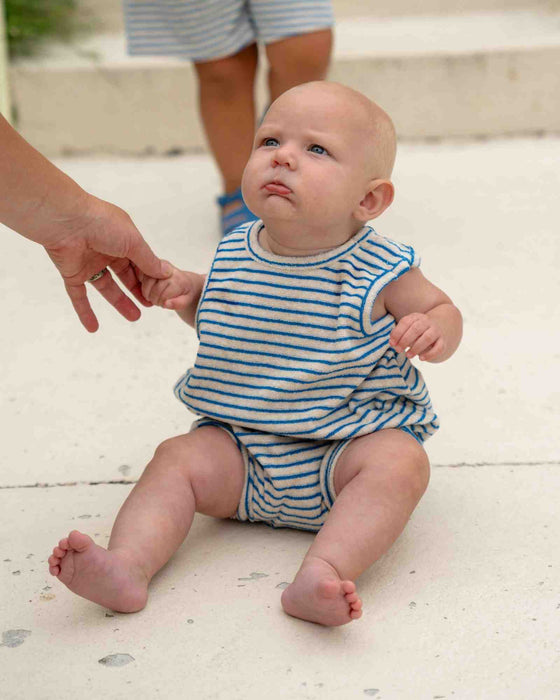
(327, 471)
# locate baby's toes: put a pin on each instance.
(54, 565)
(348, 587)
(356, 604)
(58, 554)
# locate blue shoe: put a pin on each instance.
(240, 215)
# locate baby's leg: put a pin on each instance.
(202, 471)
(379, 480)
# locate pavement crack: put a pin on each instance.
(57, 484)
(473, 465)
(131, 482)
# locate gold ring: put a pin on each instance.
(98, 275)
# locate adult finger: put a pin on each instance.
(112, 293)
(142, 255)
(82, 307)
(131, 279)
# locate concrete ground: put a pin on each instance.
(465, 605)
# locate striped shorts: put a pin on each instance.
(288, 482)
(203, 30)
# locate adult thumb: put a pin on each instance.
(144, 258)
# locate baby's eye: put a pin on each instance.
(319, 150)
(270, 142)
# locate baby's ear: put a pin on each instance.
(378, 197)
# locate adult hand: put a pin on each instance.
(81, 233)
(104, 236)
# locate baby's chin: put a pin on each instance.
(277, 208)
(275, 219)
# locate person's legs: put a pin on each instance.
(298, 59)
(379, 480)
(202, 471)
(227, 108)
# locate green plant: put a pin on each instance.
(29, 22)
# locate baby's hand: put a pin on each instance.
(420, 334)
(175, 292)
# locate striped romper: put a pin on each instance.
(292, 367)
(204, 30)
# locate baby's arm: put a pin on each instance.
(179, 292)
(427, 322)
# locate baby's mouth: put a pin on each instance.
(276, 187)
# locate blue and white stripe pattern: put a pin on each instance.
(287, 345)
(203, 30)
(288, 482)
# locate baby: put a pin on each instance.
(312, 415)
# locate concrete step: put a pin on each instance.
(107, 15)
(478, 74)
(350, 8)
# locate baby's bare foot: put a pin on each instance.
(102, 576)
(318, 594)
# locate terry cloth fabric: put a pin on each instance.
(288, 482)
(287, 344)
(203, 30)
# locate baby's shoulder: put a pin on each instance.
(388, 252)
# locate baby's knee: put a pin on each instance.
(169, 450)
(175, 455)
(417, 471)
(411, 470)
(209, 463)
(405, 465)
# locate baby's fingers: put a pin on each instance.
(433, 351)
(407, 331)
(423, 344)
(398, 333)
(148, 284)
(178, 303)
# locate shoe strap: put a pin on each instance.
(234, 196)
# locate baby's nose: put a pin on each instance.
(283, 155)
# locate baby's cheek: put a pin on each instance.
(248, 183)
(326, 199)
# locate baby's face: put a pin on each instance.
(311, 161)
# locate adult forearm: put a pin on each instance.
(37, 199)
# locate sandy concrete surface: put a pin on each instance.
(465, 605)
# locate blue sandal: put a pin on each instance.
(234, 218)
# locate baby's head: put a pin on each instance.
(322, 157)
